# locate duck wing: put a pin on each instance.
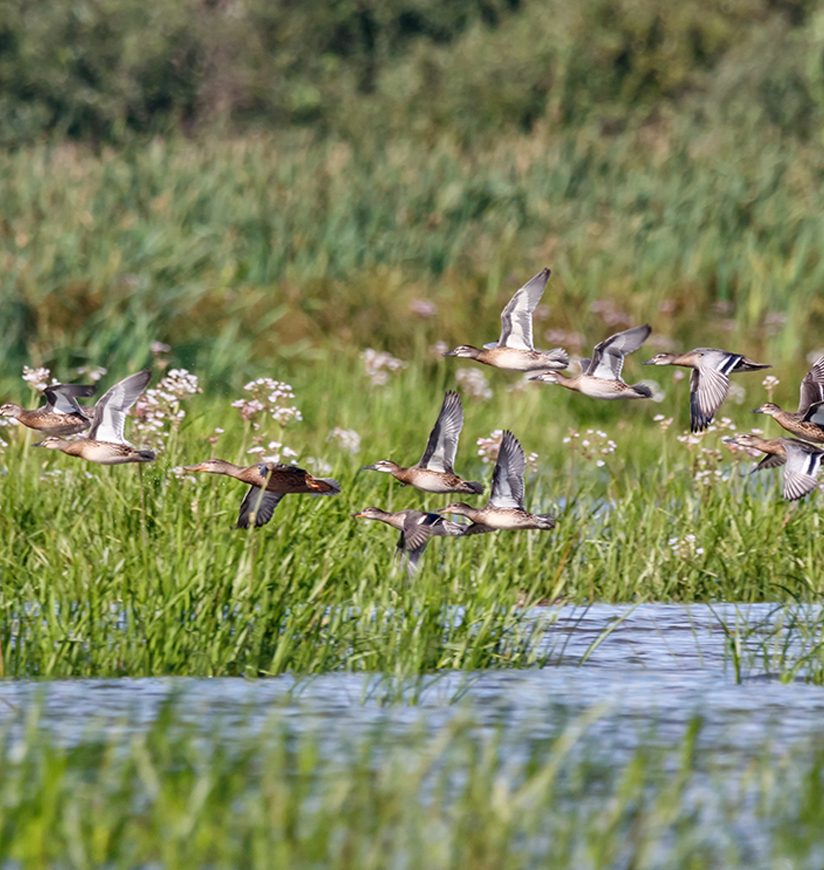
(771, 460)
(812, 390)
(260, 504)
(516, 318)
(801, 470)
(508, 476)
(62, 398)
(709, 385)
(443, 439)
(110, 412)
(607, 358)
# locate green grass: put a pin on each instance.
(221, 797)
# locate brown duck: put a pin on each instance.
(505, 508)
(61, 415)
(268, 483)
(808, 421)
(416, 528)
(709, 380)
(105, 444)
(801, 461)
(515, 350)
(434, 472)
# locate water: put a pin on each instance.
(660, 666)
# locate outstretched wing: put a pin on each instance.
(812, 389)
(801, 470)
(259, 504)
(516, 318)
(607, 359)
(771, 460)
(110, 412)
(62, 398)
(709, 384)
(508, 477)
(443, 439)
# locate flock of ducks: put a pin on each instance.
(599, 377)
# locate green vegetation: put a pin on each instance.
(174, 796)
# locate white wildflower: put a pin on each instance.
(346, 439)
(474, 383)
(378, 365)
(37, 378)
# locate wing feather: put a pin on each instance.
(508, 477)
(110, 412)
(709, 384)
(62, 398)
(443, 439)
(260, 504)
(801, 470)
(812, 388)
(607, 359)
(516, 318)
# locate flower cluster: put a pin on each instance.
(706, 461)
(686, 547)
(610, 313)
(423, 308)
(770, 383)
(346, 439)
(378, 365)
(474, 383)
(158, 410)
(663, 422)
(489, 447)
(268, 396)
(274, 451)
(592, 444)
(91, 373)
(38, 379)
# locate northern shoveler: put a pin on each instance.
(515, 350)
(505, 508)
(268, 483)
(600, 376)
(61, 415)
(709, 380)
(801, 461)
(808, 421)
(434, 471)
(105, 443)
(416, 528)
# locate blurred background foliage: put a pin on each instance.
(248, 178)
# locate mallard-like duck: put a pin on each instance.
(801, 461)
(61, 415)
(808, 421)
(505, 508)
(515, 350)
(434, 472)
(105, 443)
(709, 379)
(416, 528)
(600, 376)
(268, 483)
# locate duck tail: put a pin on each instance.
(643, 391)
(748, 365)
(547, 521)
(558, 357)
(472, 486)
(324, 486)
(147, 455)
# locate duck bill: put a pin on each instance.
(758, 411)
(449, 353)
(648, 362)
(359, 515)
(368, 468)
(190, 468)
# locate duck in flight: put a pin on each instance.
(514, 350)
(505, 508)
(434, 472)
(600, 376)
(61, 415)
(105, 443)
(801, 461)
(416, 528)
(709, 380)
(268, 483)
(808, 421)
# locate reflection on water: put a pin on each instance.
(657, 668)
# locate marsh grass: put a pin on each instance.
(220, 794)
(107, 572)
